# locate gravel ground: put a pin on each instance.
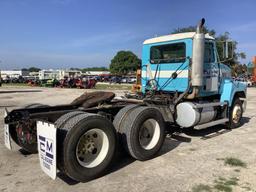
(187, 162)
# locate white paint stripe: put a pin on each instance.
(166, 74)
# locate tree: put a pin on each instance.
(220, 39)
(94, 69)
(124, 62)
(193, 29)
(34, 69)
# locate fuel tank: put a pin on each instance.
(188, 115)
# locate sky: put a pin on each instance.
(88, 33)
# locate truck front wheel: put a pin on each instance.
(235, 114)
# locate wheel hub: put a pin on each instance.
(237, 113)
(149, 134)
(92, 148)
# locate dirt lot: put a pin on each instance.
(191, 161)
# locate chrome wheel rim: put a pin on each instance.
(236, 113)
(92, 148)
(149, 134)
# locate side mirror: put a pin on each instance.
(228, 48)
(225, 50)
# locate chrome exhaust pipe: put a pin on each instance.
(197, 60)
(198, 55)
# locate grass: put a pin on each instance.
(192, 149)
(234, 162)
(201, 188)
(100, 86)
(221, 187)
(114, 86)
(14, 84)
(223, 184)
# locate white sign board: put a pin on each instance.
(46, 139)
(7, 138)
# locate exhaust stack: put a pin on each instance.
(198, 56)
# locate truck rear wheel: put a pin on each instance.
(88, 147)
(64, 118)
(121, 115)
(24, 133)
(61, 132)
(235, 114)
(142, 132)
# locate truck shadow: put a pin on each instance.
(122, 159)
(172, 141)
(19, 91)
(214, 131)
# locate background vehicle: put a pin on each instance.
(116, 79)
(183, 84)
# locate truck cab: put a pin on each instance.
(186, 68)
(168, 59)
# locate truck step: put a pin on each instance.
(210, 104)
(217, 122)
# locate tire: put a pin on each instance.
(121, 115)
(143, 132)
(117, 124)
(78, 128)
(64, 118)
(61, 132)
(235, 114)
(31, 128)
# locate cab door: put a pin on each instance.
(211, 69)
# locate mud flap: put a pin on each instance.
(46, 142)
(7, 137)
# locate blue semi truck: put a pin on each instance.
(184, 84)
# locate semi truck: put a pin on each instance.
(183, 84)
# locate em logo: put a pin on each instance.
(46, 147)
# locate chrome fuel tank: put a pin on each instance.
(188, 115)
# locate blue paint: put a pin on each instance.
(228, 89)
(179, 84)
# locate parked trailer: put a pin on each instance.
(183, 84)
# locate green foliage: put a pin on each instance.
(220, 184)
(124, 62)
(223, 184)
(94, 69)
(221, 187)
(193, 29)
(234, 162)
(201, 188)
(239, 69)
(113, 86)
(34, 69)
(90, 69)
(31, 69)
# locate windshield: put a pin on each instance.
(170, 53)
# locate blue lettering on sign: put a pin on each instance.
(46, 149)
